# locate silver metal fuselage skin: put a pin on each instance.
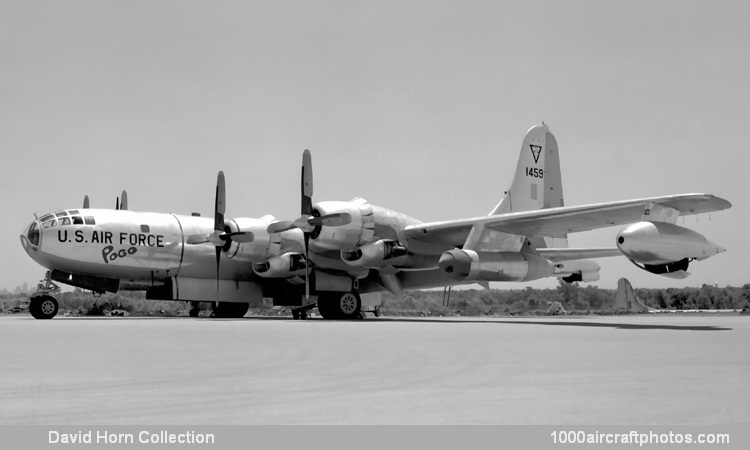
(136, 247)
(148, 248)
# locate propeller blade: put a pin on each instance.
(240, 236)
(124, 200)
(85, 202)
(218, 262)
(331, 220)
(307, 183)
(278, 227)
(194, 239)
(307, 267)
(220, 205)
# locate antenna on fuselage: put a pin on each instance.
(85, 202)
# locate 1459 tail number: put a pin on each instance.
(534, 172)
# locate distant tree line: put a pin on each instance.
(575, 299)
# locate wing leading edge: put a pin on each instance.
(557, 222)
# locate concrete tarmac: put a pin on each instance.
(647, 369)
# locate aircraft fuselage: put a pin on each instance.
(135, 247)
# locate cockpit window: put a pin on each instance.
(33, 234)
(46, 218)
(61, 214)
(73, 211)
(77, 220)
(64, 221)
(89, 220)
(49, 224)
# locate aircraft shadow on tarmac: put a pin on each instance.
(567, 323)
(448, 321)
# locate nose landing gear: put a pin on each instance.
(42, 305)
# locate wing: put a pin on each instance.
(557, 222)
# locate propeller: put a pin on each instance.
(220, 237)
(307, 221)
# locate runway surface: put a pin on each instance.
(658, 370)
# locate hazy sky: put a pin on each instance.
(419, 106)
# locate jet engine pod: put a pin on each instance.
(375, 254)
(468, 265)
(661, 243)
(664, 248)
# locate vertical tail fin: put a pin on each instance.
(537, 183)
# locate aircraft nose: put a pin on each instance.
(30, 240)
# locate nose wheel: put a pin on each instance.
(42, 305)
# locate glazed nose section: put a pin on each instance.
(31, 239)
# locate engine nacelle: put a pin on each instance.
(263, 246)
(375, 254)
(359, 231)
(468, 265)
(288, 265)
(578, 270)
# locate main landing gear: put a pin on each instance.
(42, 305)
(229, 310)
(340, 305)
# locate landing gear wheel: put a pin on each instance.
(44, 307)
(228, 310)
(349, 305)
(340, 305)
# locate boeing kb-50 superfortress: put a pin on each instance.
(337, 254)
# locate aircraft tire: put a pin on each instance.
(340, 305)
(227, 310)
(43, 307)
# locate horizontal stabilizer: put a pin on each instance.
(567, 254)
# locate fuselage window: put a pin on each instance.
(77, 220)
(89, 220)
(144, 229)
(64, 221)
